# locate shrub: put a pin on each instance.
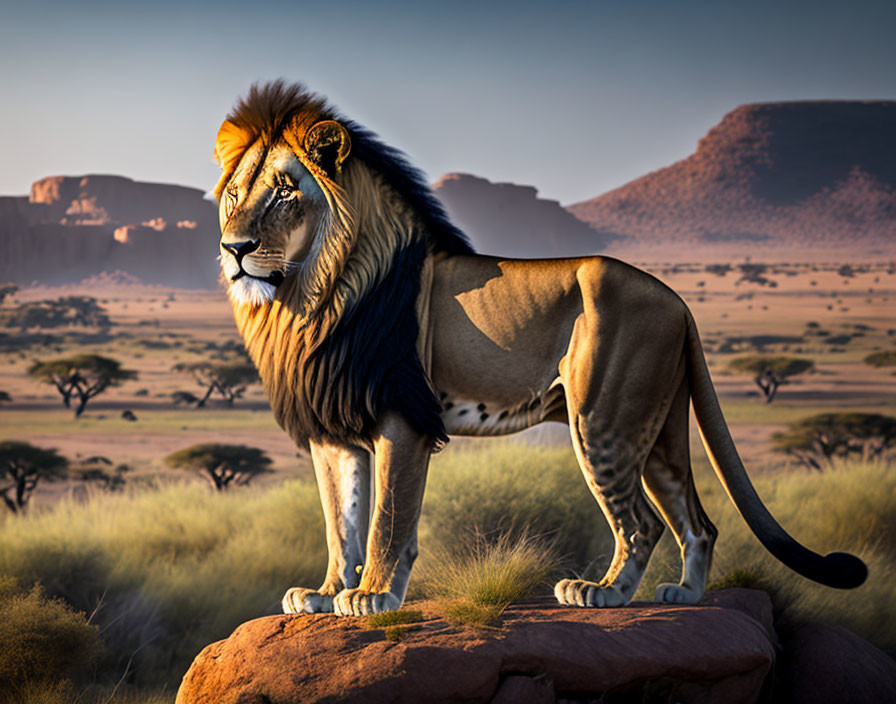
(44, 641)
(881, 359)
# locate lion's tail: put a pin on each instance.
(838, 569)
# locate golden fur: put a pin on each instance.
(383, 305)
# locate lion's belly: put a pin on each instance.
(496, 416)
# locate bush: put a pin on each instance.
(44, 641)
(881, 359)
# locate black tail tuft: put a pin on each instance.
(846, 571)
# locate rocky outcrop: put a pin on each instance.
(509, 220)
(827, 664)
(74, 227)
(817, 177)
(720, 651)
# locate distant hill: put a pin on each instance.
(512, 221)
(809, 179)
(74, 227)
(776, 181)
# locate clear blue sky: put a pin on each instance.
(574, 98)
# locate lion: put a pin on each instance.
(378, 332)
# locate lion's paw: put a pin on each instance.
(669, 593)
(306, 601)
(580, 592)
(359, 602)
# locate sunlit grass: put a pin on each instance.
(781, 411)
(17, 424)
(475, 586)
(850, 508)
(169, 569)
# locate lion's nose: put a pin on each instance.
(241, 249)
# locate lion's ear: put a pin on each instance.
(327, 144)
(230, 144)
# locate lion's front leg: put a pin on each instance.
(401, 459)
(343, 479)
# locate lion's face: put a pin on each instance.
(268, 211)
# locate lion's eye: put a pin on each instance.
(284, 192)
(229, 203)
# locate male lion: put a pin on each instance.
(377, 332)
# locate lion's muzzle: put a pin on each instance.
(238, 250)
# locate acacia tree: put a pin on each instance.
(82, 376)
(771, 372)
(885, 358)
(229, 379)
(98, 470)
(7, 289)
(22, 466)
(222, 465)
(819, 439)
(68, 310)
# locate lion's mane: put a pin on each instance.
(337, 346)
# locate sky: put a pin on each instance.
(574, 98)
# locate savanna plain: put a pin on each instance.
(120, 569)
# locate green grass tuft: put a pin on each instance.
(739, 577)
(476, 586)
(393, 618)
(463, 612)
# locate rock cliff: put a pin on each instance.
(815, 178)
(73, 227)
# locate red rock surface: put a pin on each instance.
(717, 652)
(809, 176)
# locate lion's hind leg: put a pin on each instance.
(669, 483)
(612, 470)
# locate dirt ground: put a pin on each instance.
(831, 314)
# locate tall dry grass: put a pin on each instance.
(849, 508)
(170, 569)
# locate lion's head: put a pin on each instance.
(297, 184)
(325, 231)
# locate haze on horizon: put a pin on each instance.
(574, 98)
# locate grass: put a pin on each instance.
(851, 508)
(755, 411)
(476, 586)
(399, 617)
(170, 568)
(395, 624)
(489, 488)
(60, 421)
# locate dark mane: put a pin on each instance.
(269, 107)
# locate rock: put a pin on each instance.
(771, 180)
(717, 652)
(75, 227)
(510, 220)
(823, 663)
